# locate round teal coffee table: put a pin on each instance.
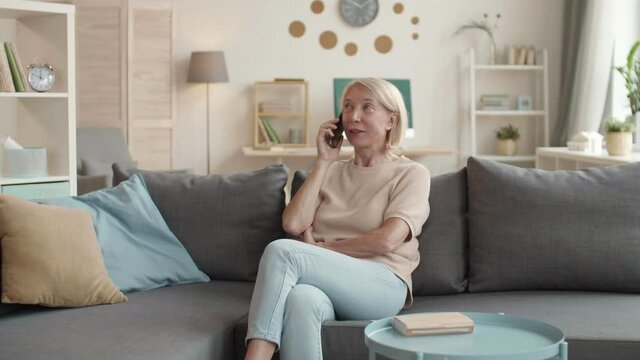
(495, 337)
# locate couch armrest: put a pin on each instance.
(89, 183)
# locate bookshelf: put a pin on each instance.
(45, 31)
(280, 114)
(513, 80)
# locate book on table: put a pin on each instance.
(441, 323)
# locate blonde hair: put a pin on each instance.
(388, 96)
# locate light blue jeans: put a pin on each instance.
(300, 285)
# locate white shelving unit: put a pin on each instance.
(539, 115)
(44, 31)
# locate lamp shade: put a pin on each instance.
(207, 67)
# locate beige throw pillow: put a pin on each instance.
(51, 257)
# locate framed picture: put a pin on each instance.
(524, 102)
(404, 85)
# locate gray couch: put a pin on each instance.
(561, 247)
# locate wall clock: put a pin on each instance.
(359, 12)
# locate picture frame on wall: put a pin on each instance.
(404, 85)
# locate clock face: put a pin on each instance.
(40, 77)
(359, 12)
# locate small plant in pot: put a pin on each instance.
(631, 74)
(619, 138)
(507, 140)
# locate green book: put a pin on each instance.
(268, 131)
(13, 65)
(272, 133)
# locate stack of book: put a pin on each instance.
(495, 102)
(13, 77)
(442, 323)
(268, 133)
(275, 106)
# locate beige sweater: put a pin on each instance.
(355, 200)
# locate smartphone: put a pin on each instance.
(337, 133)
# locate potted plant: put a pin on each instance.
(485, 27)
(619, 138)
(631, 74)
(507, 140)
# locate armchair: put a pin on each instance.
(98, 149)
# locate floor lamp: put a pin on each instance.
(207, 67)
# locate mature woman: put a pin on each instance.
(356, 222)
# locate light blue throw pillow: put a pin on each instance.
(139, 250)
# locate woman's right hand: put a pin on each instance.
(326, 152)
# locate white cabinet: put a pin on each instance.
(561, 158)
(510, 80)
(45, 31)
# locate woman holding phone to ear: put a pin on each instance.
(356, 223)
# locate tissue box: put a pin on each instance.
(27, 162)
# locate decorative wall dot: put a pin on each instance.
(383, 44)
(350, 49)
(317, 7)
(296, 28)
(328, 40)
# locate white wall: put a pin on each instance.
(254, 36)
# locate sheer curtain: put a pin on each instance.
(588, 48)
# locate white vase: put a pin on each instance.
(507, 147)
(619, 143)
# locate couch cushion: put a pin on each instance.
(531, 229)
(443, 240)
(140, 251)
(50, 256)
(224, 221)
(190, 322)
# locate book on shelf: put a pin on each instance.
(273, 135)
(13, 66)
(442, 323)
(264, 133)
(495, 108)
(7, 80)
(522, 56)
(288, 80)
(21, 68)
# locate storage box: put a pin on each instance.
(27, 162)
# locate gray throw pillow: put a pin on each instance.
(224, 221)
(532, 229)
(443, 240)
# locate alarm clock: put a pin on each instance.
(40, 77)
